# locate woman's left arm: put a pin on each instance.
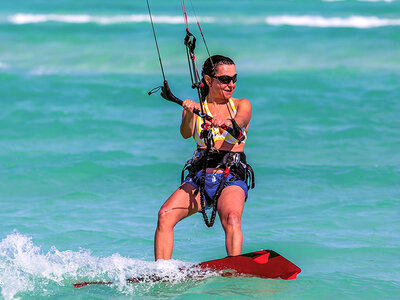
(243, 114)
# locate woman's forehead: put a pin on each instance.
(223, 69)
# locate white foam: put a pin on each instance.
(103, 20)
(318, 21)
(278, 20)
(25, 267)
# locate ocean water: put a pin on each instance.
(87, 157)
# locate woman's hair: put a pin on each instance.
(210, 68)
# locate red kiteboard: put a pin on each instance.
(263, 264)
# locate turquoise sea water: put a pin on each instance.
(87, 157)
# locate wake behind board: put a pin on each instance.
(263, 264)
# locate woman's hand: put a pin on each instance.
(190, 105)
(217, 122)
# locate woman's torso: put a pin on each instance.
(222, 139)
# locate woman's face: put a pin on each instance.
(223, 87)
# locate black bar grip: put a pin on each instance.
(168, 95)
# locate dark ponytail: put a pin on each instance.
(210, 68)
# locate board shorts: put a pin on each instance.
(212, 183)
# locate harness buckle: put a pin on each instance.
(205, 126)
(231, 159)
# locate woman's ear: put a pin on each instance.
(208, 80)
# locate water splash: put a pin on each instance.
(25, 267)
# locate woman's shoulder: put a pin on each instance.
(243, 103)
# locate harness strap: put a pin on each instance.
(228, 161)
(250, 180)
(208, 222)
(231, 162)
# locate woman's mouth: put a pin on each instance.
(229, 91)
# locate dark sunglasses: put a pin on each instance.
(225, 79)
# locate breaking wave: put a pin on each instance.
(279, 20)
(318, 21)
(103, 20)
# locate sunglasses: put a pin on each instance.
(225, 79)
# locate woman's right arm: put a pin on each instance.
(188, 118)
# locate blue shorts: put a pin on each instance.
(212, 182)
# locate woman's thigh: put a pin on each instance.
(231, 202)
(181, 204)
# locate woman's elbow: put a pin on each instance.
(185, 133)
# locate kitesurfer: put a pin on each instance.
(227, 174)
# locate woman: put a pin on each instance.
(219, 82)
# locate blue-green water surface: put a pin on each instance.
(87, 157)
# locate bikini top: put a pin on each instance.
(216, 132)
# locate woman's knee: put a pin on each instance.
(232, 220)
(165, 219)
